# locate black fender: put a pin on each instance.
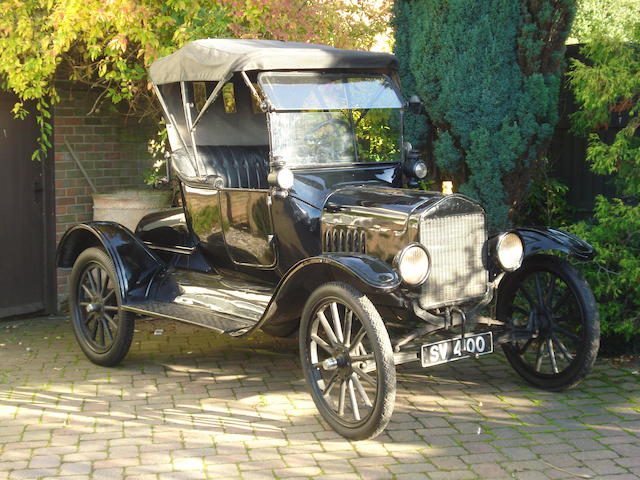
(136, 266)
(371, 276)
(540, 239)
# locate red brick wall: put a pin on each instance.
(112, 149)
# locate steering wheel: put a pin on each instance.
(328, 143)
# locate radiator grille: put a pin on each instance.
(344, 240)
(457, 271)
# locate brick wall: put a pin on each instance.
(112, 149)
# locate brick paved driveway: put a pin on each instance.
(190, 404)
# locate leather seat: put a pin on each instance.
(237, 166)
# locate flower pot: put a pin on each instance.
(127, 207)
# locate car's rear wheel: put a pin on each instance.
(348, 361)
(104, 331)
(551, 310)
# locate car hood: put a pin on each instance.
(375, 207)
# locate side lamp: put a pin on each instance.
(415, 168)
(280, 177)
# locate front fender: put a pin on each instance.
(368, 274)
(136, 266)
(539, 239)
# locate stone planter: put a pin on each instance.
(127, 207)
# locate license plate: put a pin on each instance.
(453, 349)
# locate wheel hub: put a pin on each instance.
(343, 361)
(330, 364)
(544, 321)
(94, 307)
(339, 361)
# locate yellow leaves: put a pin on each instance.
(344, 23)
(119, 42)
(18, 110)
(111, 43)
(5, 30)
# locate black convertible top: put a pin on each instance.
(213, 59)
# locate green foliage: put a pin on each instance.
(489, 73)
(157, 148)
(378, 139)
(611, 16)
(415, 126)
(614, 275)
(609, 86)
(545, 202)
(108, 45)
(606, 87)
(621, 158)
(609, 83)
(448, 157)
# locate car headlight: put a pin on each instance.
(420, 170)
(413, 264)
(509, 251)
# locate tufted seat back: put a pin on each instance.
(237, 166)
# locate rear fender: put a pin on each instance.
(539, 239)
(369, 275)
(136, 266)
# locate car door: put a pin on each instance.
(247, 226)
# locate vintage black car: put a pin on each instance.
(296, 221)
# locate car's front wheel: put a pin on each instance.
(104, 331)
(348, 361)
(551, 311)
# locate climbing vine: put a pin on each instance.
(109, 44)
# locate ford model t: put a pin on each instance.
(296, 220)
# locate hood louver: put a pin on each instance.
(347, 240)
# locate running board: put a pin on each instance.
(221, 303)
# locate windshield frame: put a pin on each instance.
(272, 110)
(306, 73)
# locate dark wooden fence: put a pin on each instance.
(567, 153)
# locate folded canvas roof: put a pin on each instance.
(213, 59)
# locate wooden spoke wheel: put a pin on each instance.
(348, 361)
(104, 331)
(552, 311)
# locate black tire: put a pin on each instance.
(353, 337)
(549, 299)
(104, 331)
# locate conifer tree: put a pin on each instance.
(489, 73)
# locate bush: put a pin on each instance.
(545, 202)
(609, 87)
(614, 275)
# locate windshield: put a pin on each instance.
(332, 119)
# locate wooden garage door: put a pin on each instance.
(25, 265)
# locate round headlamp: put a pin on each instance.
(413, 264)
(281, 177)
(420, 170)
(284, 178)
(509, 251)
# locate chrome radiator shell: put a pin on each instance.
(454, 231)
